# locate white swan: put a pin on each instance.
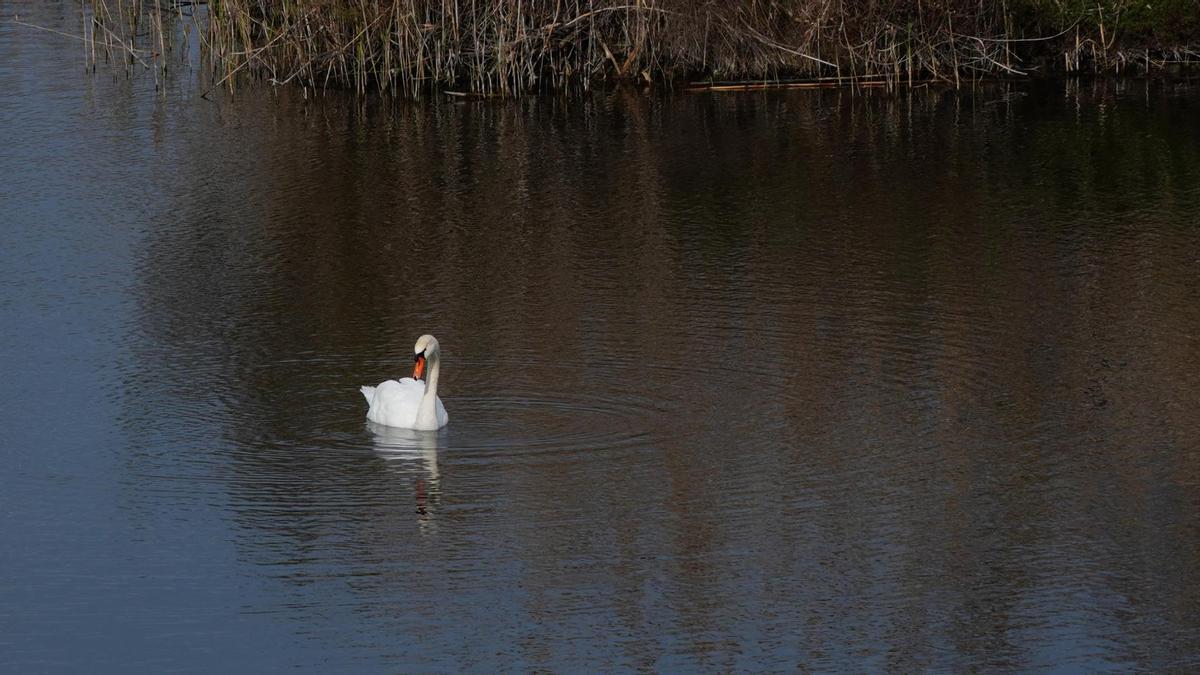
(410, 403)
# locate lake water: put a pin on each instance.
(801, 380)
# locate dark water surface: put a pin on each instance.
(736, 381)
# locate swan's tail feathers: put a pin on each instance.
(369, 392)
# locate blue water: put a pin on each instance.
(763, 381)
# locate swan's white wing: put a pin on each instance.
(395, 403)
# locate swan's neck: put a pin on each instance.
(435, 363)
(427, 413)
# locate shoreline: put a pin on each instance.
(488, 48)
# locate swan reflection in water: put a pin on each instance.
(410, 452)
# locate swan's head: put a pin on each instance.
(425, 349)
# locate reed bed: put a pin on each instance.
(506, 47)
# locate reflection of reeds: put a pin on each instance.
(504, 47)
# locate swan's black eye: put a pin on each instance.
(417, 357)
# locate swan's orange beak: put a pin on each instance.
(419, 369)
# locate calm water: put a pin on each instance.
(736, 381)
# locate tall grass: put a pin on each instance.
(504, 47)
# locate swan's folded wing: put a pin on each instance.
(395, 403)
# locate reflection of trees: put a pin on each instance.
(917, 358)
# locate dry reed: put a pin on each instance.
(505, 47)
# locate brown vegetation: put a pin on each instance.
(489, 47)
